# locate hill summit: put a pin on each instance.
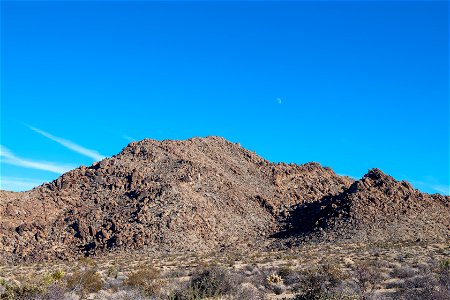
(208, 194)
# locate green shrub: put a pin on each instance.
(112, 272)
(24, 291)
(53, 277)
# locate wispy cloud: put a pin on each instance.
(70, 145)
(351, 176)
(443, 189)
(8, 157)
(128, 138)
(433, 186)
(18, 184)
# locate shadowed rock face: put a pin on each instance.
(376, 207)
(200, 194)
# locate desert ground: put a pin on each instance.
(322, 271)
(205, 218)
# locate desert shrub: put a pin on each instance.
(248, 292)
(112, 272)
(285, 272)
(319, 283)
(145, 280)
(293, 279)
(84, 282)
(403, 272)
(235, 278)
(257, 278)
(445, 264)
(58, 275)
(87, 261)
(394, 285)
(274, 279)
(53, 277)
(48, 287)
(423, 268)
(444, 275)
(178, 294)
(278, 289)
(365, 278)
(13, 291)
(431, 285)
(211, 282)
(207, 282)
(250, 268)
(380, 263)
(175, 273)
(113, 284)
(131, 295)
(55, 291)
(275, 283)
(420, 288)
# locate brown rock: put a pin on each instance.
(203, 194)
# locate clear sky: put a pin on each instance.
(351, 85)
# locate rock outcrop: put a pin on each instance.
(206, 194)
(374, 208)
(201, 194)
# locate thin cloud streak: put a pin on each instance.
(8, 157)
(70, 145)
(440, 188)
(18, 184)
(445, 190)
(128, 138)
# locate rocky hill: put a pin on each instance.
(374, 208)
(206, 194)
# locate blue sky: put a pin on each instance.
(351, 85)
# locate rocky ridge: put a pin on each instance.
(374, 208)
(206, 194)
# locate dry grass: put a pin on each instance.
(352, 271)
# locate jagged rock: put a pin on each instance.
(204, 194)
(376, 207)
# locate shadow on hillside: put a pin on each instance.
(305, 219)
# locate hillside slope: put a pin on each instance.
(200, 194)
(374, 208)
